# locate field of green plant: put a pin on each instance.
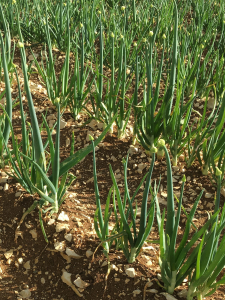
(153, 68)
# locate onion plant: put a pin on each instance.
(174, 267)
(29, 164)
(133, 239)
(6, 62)
(102, 223)
(210, 261)
(150, 122)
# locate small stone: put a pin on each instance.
(9, 261)
(211, 103)
(6, 187)
(60, 246)
(130, 272)
(168, 296)
(208, 195)
(136, 292)
(51, 221)
(68, 237)
(127, 280)
(72, 254)
(63, 216)
(80, 283)
(17, 194)
(8, 254)
(27, 265)
(117, 279)
(20, 260)
(164, 194)
(153, 291)
(3, 180)
(63, 123)
(33, 232)
(89, 253)
(66, 278)
(42, 280)
(25, 293)
(60, 227)
(105, 263)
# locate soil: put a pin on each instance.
(37, 266)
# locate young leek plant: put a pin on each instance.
(174, 268)
(211, 255)
(133, 240)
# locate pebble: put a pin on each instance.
(6, 187)
(136, 292)
(208, 195)
(59, 246)
(17, 194)
(60, 227)
(80, 283)
(130, 272)
(42, 280)
(153, 291)
(63, 123)
(68, 237)
(72, 254)
(25, 293)
(89, 253)
(63, 216)
(8, 254)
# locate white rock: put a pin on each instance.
(136, 292)
(27, 265)
(6, 187)
(8, 254)
(68, 237)
(60, 227)
(153, 291)
(63, 216)
(66, 278)
(168, 296)
(51, 221)
(80, 283)
(130, 272)
(105, 263)
(25, 293)
(164, 194)
(33, 232)
(211, 102)
(3, 180)
(72, 254)
(60, 246)
(208, 195)
(42, 280)
(89, 253)
(20, 260)
(17, 194)
(141, 166)
(63, 123)
(67, 142)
